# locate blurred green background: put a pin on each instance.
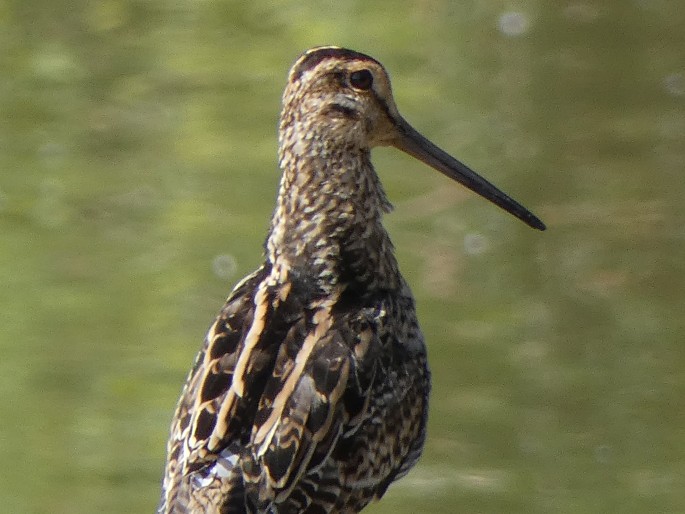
(137, 178)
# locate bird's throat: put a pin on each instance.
(327, 222)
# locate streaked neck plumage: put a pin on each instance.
(328, 219)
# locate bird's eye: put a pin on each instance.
(362, 79)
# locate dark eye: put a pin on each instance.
(362, 79)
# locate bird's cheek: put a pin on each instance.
(381, 136)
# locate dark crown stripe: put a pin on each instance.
(313, 57)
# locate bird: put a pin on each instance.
(310, 392)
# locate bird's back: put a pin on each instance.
(299, 403)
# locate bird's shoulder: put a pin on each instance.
(284, 373)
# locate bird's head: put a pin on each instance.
(343, 99)
(342, 95)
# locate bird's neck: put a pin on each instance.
(327, 223)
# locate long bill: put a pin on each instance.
(413, 143)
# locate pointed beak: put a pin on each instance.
(410, 141)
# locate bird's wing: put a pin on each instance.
(317, 392)
(212, 421)
(276, 384)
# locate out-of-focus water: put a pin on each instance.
(137, 177)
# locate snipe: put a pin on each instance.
(310, 393)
